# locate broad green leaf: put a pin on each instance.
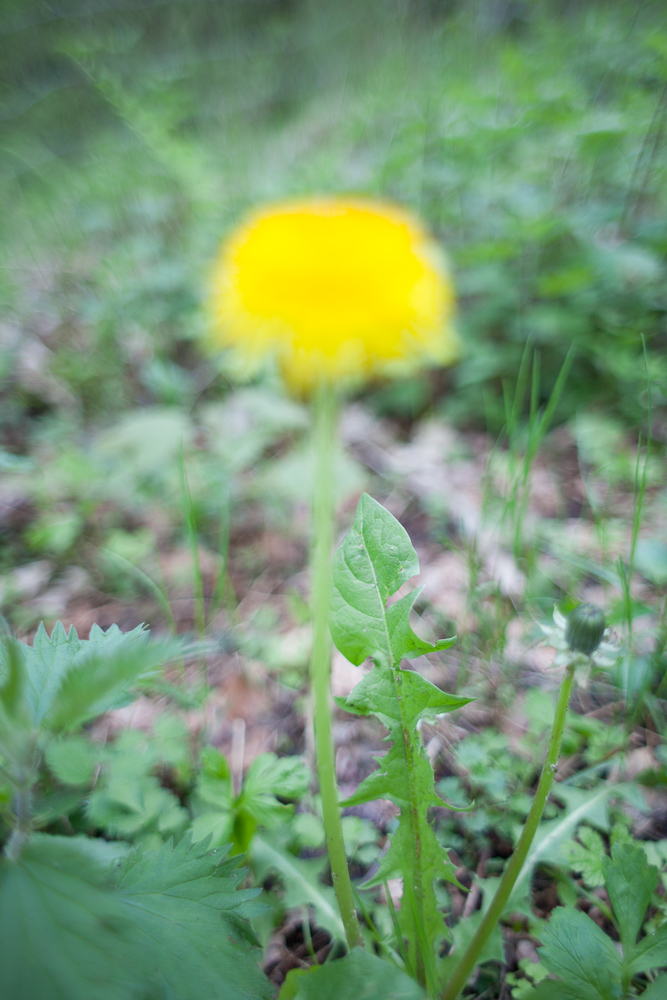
(267, 777)
(552, 990)
(657, 990)
(578, 952)
(227, 817)
(72, 759)
(372, 562)
(50, 658)
(650, 953)
(69, 680)
(127, 805)
(630, 882)
(215, 826)
(291, 984)
(62, 932)
(189, 928)
(359, 975)
(171, 739)
(375, 558)
(101, 677)
(302, 883)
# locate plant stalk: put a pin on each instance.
(22, 805)
(470, 957)
(325, 405)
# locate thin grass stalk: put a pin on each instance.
(470, 957)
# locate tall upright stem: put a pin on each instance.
(22, 804)
(320, 665)
(470, 957)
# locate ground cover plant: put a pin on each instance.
(168, 787)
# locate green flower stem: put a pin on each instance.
(22, 804)
(470, 957)
(320, 664)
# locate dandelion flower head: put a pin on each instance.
(336, 289)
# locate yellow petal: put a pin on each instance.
(337, 289)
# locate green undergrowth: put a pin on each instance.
(122, 849)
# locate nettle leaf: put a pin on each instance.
(61, 926)
(101, 677)
(73, 759)
(47, 662)
(70, 680)
(190, 930)
(630, 882)
(370, 565)
(575, 949)
(359, 974)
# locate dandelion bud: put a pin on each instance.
(585, 628)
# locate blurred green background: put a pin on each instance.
(529, 135)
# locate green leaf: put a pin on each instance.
(269, 776)
(359, 975)
(630, 882)
(189, 928)
(48, 661)
(61, 926)
(73, 759)
(302, 883)
(226, 817)
(586, 857)
(100, 677)
(16, 738)
(127, 805)
(71, 679)
(12, 677)
(657, 990)
(552, 990)
(650, 953)
(375, 558)
(575, 949)
(370, 565)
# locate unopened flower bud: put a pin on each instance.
(585, 628)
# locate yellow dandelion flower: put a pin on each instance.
(337, 289)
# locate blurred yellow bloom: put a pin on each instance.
(337, 289)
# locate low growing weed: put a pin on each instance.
(155, 904)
